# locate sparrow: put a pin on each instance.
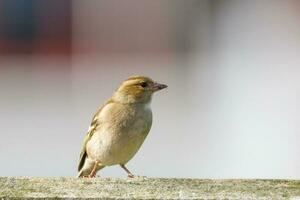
(119, 127)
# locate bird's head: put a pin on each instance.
(137, 89)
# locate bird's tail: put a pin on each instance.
(80, 174)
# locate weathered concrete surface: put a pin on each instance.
(144, 188)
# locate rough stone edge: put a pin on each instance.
(146, 188)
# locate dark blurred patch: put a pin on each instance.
(35, 26)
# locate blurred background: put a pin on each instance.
(231, 110)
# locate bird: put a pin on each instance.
(119, 127)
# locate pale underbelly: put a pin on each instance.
(111, 149)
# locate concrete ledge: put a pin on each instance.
(144, 188)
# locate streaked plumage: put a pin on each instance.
(119, 127)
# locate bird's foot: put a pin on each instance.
(136, 178)
(92, 175)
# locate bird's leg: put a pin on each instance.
(130, 175)
(94, 171)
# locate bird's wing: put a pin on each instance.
(92, 129)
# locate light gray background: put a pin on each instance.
(231, 109)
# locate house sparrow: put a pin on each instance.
(119, 127)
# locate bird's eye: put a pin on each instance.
(144, 84)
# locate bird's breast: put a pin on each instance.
(120, 137)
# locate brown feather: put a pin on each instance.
(93, 127)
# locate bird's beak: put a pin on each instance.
(158, 86)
